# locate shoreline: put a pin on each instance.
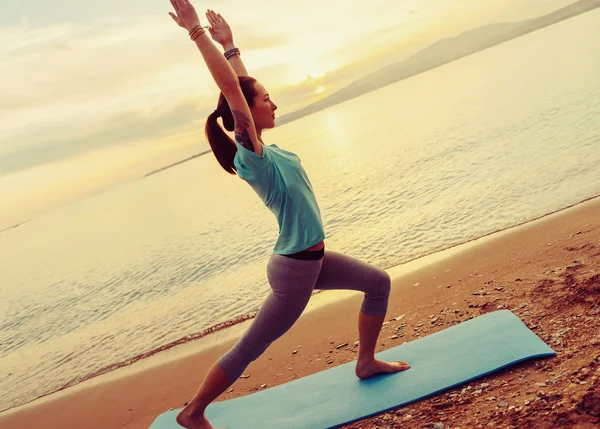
(226, 332)
(166, 167)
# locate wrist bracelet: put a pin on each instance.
(196, 31)
(197, 27)
(231, 52)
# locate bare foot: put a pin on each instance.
(369, 369)
(187, 420)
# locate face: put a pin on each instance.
(263, 110)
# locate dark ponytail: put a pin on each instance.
(221, 144)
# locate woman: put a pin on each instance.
(299, 262)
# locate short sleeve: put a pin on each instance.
(248, 160)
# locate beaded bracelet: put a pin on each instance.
(231, 52)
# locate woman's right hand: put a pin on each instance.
(219, 28)
(186, 14)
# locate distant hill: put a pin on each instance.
(440, 53)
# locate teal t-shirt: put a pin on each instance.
(281, 182)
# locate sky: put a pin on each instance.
(79, 76)
(90, 74)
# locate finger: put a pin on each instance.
(174, 17)
(175, 5)
(221, 19)
(211, 21)
(214, 16)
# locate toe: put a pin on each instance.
(403, 365)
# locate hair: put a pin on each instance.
(221, 144)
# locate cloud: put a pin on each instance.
(76, 73)
(130, 126)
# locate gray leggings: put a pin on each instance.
(292, 282)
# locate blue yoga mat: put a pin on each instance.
(336, 396)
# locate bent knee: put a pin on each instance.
(382, 284)
(376, 298)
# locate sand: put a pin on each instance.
(546, 271)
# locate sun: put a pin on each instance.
(315, 74)
(320, 89)
(310, 72)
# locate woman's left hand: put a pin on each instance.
(186, 14)
(219, 28)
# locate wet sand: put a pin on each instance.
(546, 271)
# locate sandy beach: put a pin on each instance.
(546, 271)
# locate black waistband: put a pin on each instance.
(308, 255)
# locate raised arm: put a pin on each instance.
(224, 76)
(221, 33)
